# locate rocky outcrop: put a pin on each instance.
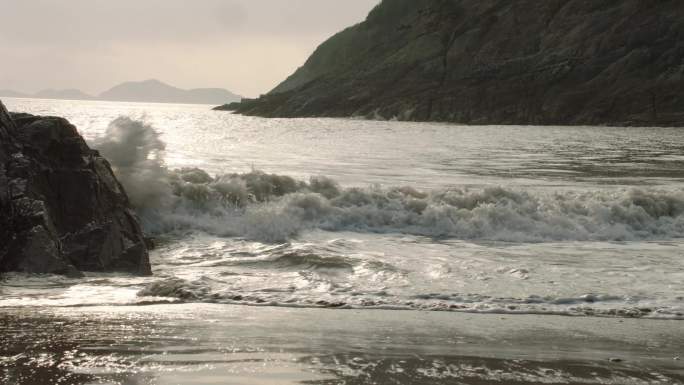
(497, 62)
(228, 107)
(62, 210)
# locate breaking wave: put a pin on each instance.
(176, 289)
(271, 208)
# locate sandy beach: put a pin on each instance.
(219, 344)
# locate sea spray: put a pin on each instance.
(136, 154)
(272, 208)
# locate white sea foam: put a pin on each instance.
(585, 305)
(268, 207)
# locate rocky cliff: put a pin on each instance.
(617, 62)
(61, 208)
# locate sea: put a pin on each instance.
(404, 239)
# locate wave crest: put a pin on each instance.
(269, 207)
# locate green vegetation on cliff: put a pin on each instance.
(617, 62)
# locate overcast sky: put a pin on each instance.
(246, 46)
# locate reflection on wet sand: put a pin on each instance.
(205, 344)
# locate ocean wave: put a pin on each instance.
(175, 288)
(588, 305)
(303, 261)
(273, 208)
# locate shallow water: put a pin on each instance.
(224, 344)
(580, 221)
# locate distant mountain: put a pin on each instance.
(155, 91)
(13, 94)
(152, 91)
(496, 62)
(69, 94)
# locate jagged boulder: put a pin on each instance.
(62, 210)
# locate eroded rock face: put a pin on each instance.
(496, 62)
(62, 210)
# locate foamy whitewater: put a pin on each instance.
(582, 221)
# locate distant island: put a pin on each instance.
(150, 91)
(566, 62)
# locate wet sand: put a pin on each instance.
(219, 344)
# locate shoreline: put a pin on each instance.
(288, 345)
(390, 308)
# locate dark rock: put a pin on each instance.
(61, 208)
(230, 106)
(496, 62)
(150, 243)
